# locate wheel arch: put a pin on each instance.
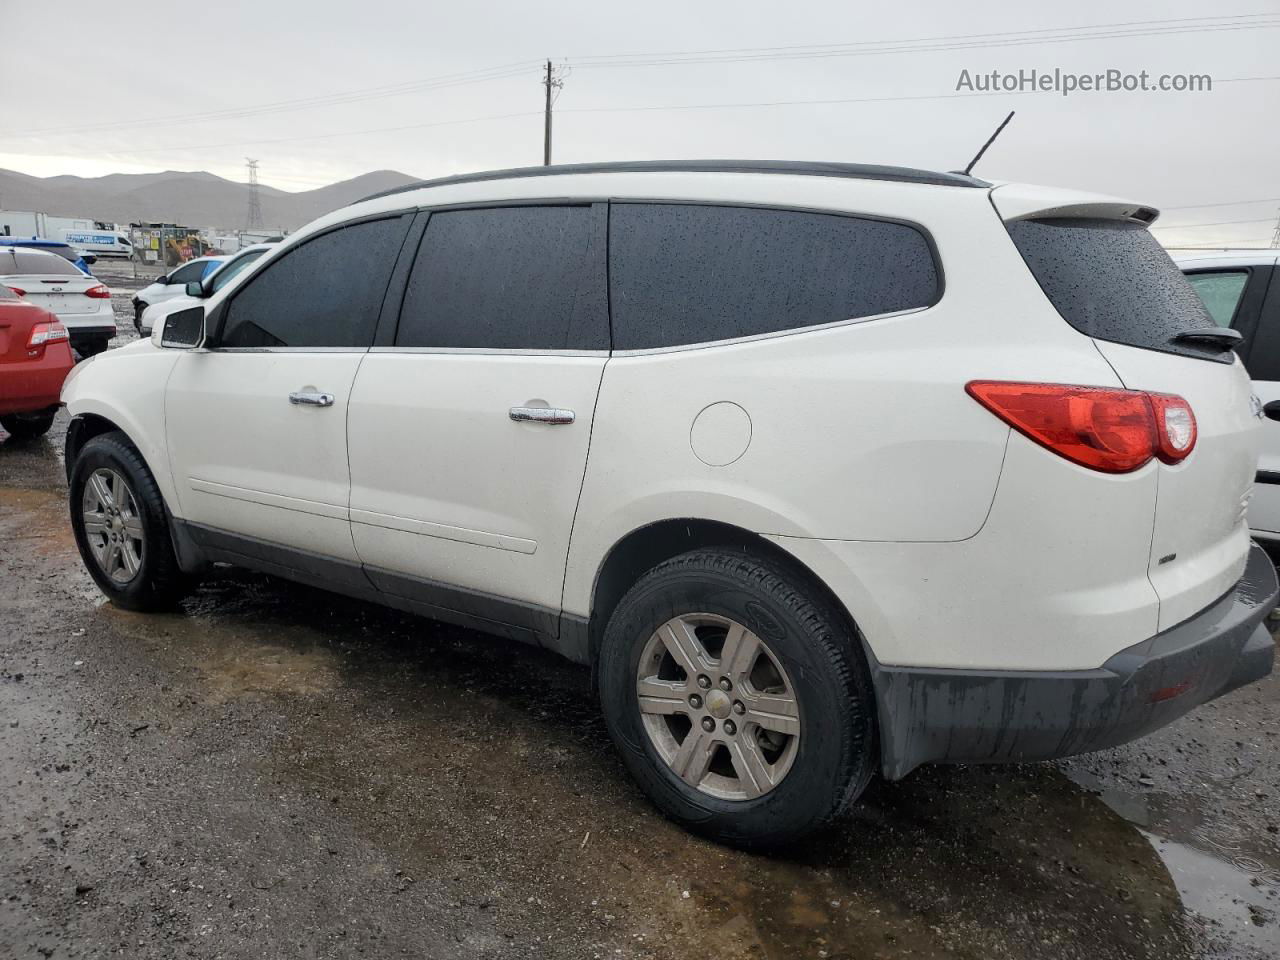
(645, 547)
(83, 428)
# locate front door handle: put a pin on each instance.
(541, 415)
(312, 399)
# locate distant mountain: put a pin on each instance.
(193, 199)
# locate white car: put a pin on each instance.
(81, 302)
(213, 281)
(1241, 291)
(725, 433)
(173, 284)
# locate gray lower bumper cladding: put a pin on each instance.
(959, 716)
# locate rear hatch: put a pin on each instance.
(1108, 277)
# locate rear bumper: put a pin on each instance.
(34, 385)
(959, 716)
(83, 332)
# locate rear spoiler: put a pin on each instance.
(1016, 201)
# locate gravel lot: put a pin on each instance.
(277, 772)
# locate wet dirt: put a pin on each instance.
(273, 771)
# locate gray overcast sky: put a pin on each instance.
(72, 65)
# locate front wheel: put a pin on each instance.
(738, 697)
(121, 527)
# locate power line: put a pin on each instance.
(1217, 223)
(334, 99)
(629, 109)
(1225, 203)
(941, 39)
(881, 47)
(743, 54)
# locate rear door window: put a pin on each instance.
(325, 292)
(696, 273)
(1220, 290)
(1111, 280)
(509, 278)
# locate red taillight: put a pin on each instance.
(19, 291)
(1114, 431)
(98, 291)
(43, 333)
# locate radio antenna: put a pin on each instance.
(990, 140)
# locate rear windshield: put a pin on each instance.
(19, 262)
(1111, 280)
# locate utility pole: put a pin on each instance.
(254, 217)
(551, 82)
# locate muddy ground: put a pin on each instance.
(276, 772)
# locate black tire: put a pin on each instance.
(27, 426)
(836, 751)
(159, 582)
(91, 346)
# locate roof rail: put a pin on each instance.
(854, 171)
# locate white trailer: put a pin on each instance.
(85, 234)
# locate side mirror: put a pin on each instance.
(195, 288)
(162, 279)
(183, 330)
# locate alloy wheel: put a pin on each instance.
(718, 706)
(112, 525)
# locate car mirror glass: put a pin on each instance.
(195, 288)
(182, 330)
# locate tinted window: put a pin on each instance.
(325, 292)
(1110, 279)
(189, 271)
(1220, 292)
(527, 278)
(686, 273)
(233, 269)
(19, 261)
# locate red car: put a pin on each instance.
(35, 357)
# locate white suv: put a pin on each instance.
(824, 469)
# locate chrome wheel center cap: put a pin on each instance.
(718, 704)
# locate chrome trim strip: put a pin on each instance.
(493, 351)
(356, 350)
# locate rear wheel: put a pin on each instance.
(738, 697)
(28, 426)
(91, 346)
(121, 527)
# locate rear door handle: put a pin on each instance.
(312, 399)
(557, 415)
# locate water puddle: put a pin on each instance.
(1229, 882)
